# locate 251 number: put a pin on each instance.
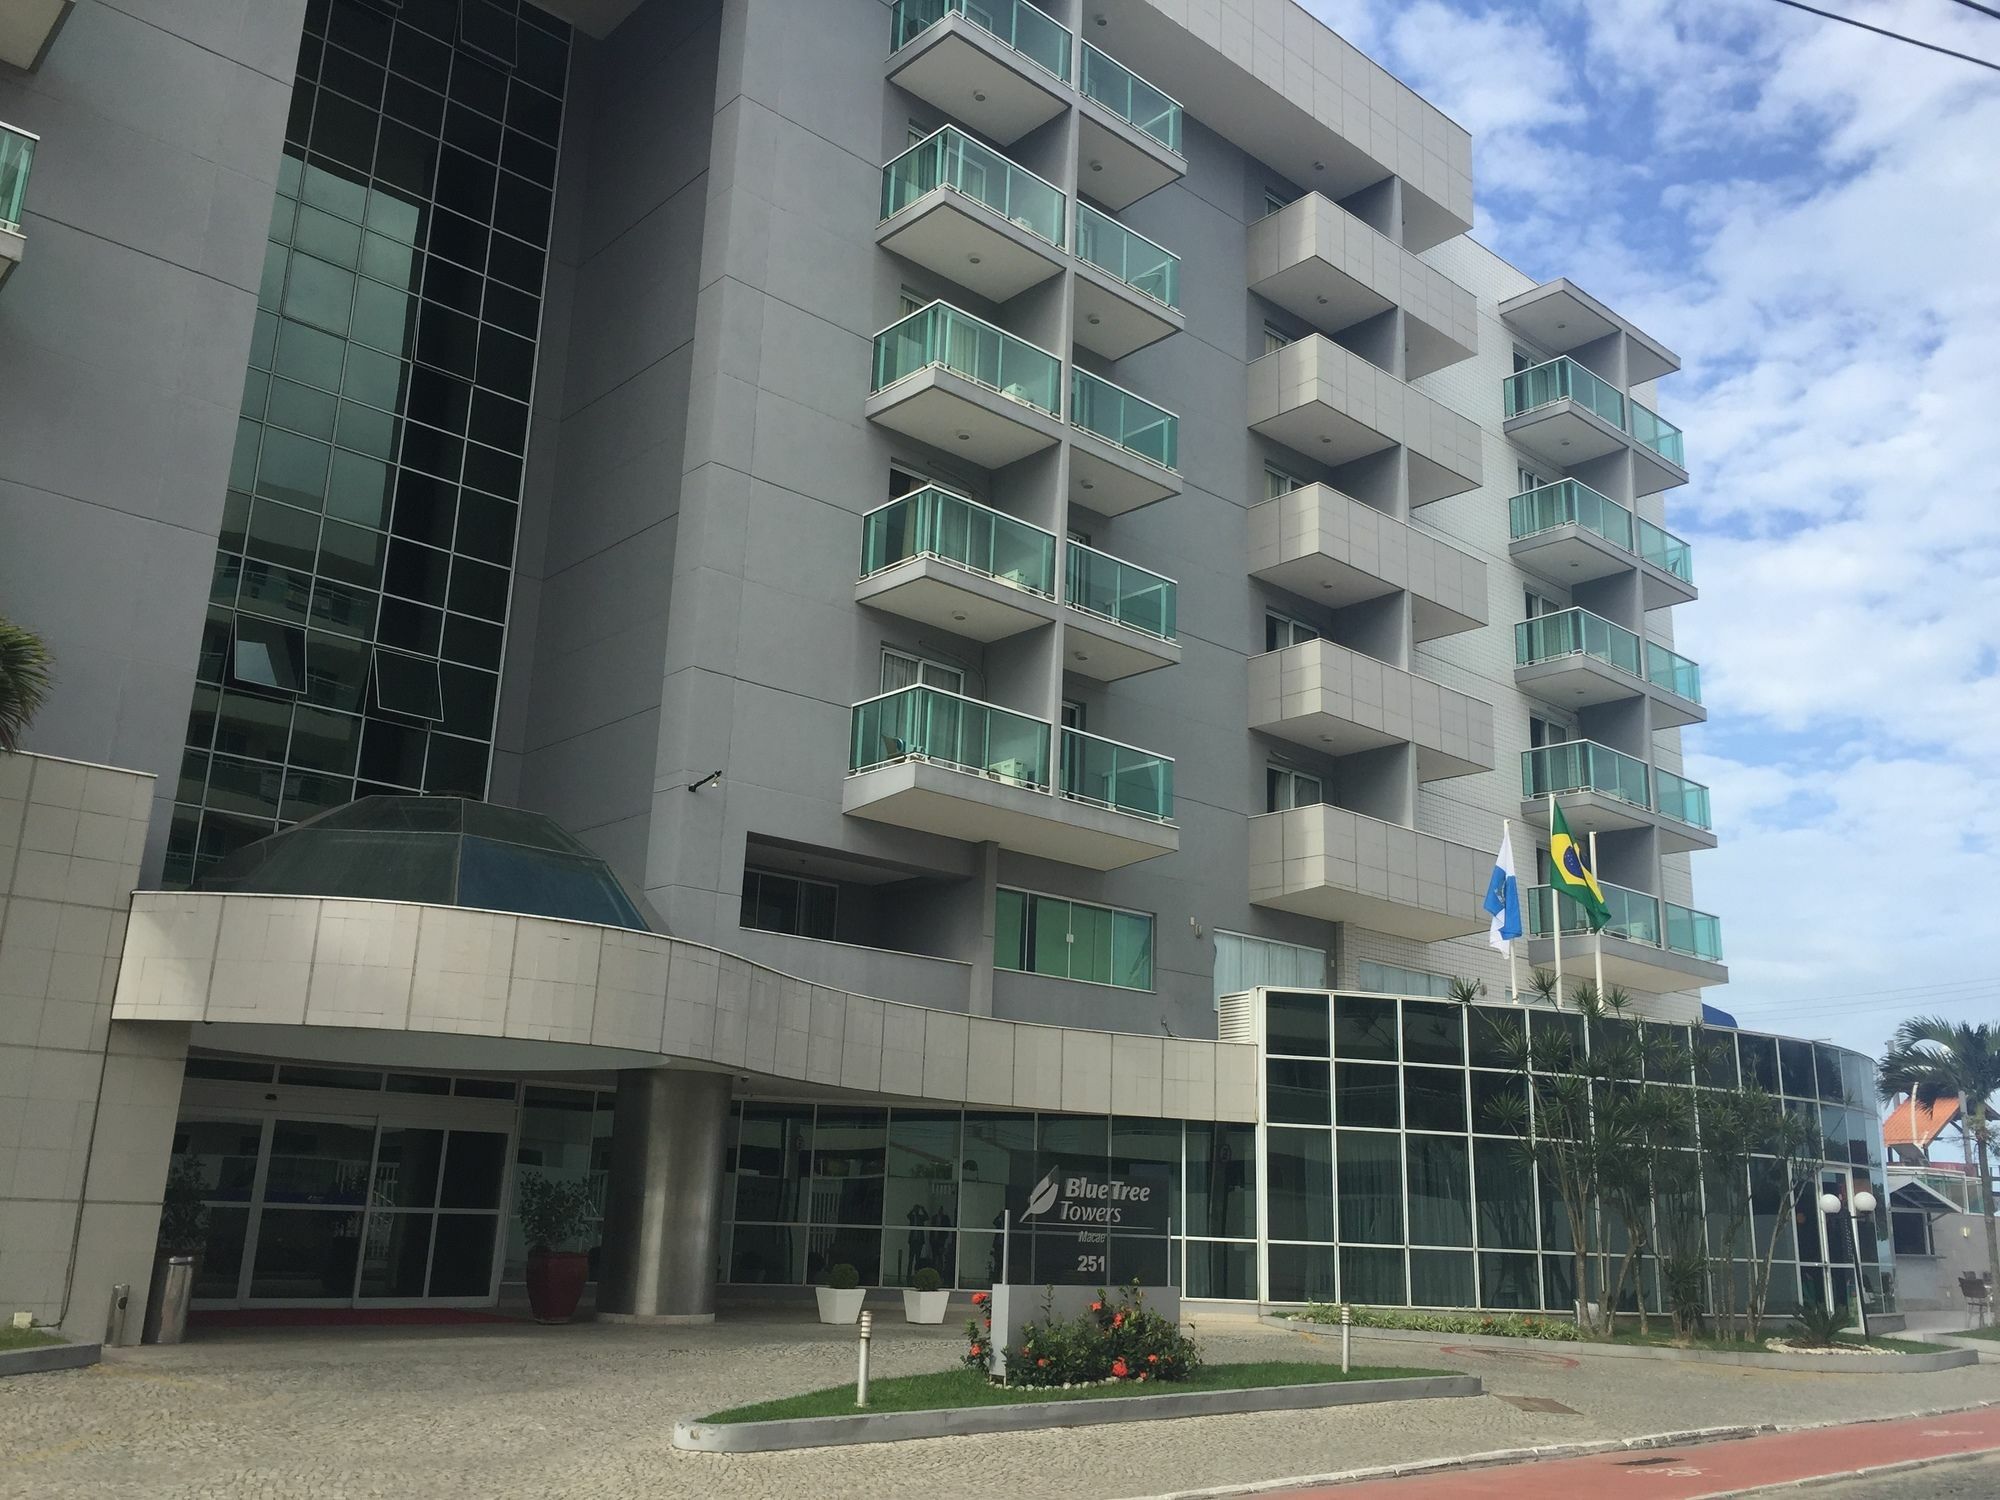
(1092, 1264)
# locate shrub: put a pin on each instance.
(183, 1215)
(926, 1280)
(1503, 1325)
(552, 1213)
(1115, 1339)
(843, 1278)
(1817, 1327)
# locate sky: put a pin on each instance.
(1810, 216)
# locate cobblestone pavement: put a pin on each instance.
(507, 1410)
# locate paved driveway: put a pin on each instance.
(506, 1410)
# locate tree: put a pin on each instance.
(25, 676)
(1930, 1058)
(1788, 1160)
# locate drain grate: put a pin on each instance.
(1541, 1403)
(1647, 1463)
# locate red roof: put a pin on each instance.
(1911, 1124)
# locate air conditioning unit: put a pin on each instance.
(1013, 772)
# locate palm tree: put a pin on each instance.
(1931, 1058)
(24, 681)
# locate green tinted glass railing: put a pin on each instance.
(1657, 433)
(942, 335)
(1130, 421)
(17, 155)
(948, 159)
(1694, 933)
(1131, 98)
(933, 725)
(1121, 591)
(1584, 766)
(1564, 379)
(1682, 799)
(1027, 30)
(1118, 776)
(1672, 671)
(1664, 550)
(1569, 503)
(1575, 632)
(937, 523)
(1635, 916)
(1128, 255)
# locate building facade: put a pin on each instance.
(999, 524)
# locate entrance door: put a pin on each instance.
(1826, 1242)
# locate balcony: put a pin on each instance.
(1129, 136)
(17, 156)
(1330, 404)
(947, 561)
(1605, 790)
(1576, 659)
(1569, 533)
(1639, 952)
(26, 29)
(1127, 287)
(1340, 866)
(1340, 702)
(965, 387)
(1686, 822)
(940, 763)
(1560, 316)
(1318, 261)
(998, 65)
(972, 216)
(1567, 415)
(1125, 450)
(1121, 617)
(1320, 544)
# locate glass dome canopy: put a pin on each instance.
(440, 851)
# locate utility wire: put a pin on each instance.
(1984, 10)
(1894, 36)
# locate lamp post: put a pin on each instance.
(1864, 1203)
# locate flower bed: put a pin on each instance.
(1115, 1340)
(1500, 1325)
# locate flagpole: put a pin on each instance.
(1555, 907)
(1513, 968)
(1600, 931)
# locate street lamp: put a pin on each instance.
(1864, 1205)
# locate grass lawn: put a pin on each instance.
(24, 1338)
(963, 1387)
(1661, 1340)
(1990, 1331)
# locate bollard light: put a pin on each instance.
(861, 1374)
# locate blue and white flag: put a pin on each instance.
(1503, 895)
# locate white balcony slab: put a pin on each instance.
(1118, 163)
(975, 78)
(942, 594)
(939, 406)
(964, 241)
(1105, 650)
(1113, 319)
(1338, 866)
(1340, 702)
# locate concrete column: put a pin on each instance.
(663, 1204)
(988, 877)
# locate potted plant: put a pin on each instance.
(182, 1238)
(840, 1298)
(924, 1298)
(554, 1215)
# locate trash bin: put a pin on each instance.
(167, 1307)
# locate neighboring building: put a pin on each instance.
(997, 525)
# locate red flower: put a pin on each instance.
(1120, 1368)
(1118, 1320)
(980, 1299)
(1152, 1359)
(974, 1352)
(1041, 1364)
(1097, 1307)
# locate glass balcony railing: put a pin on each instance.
(942, 335)
(937, 523)
(1563, 379)
(1131, 98)
(1575, 632)
(1657, 433)
(17, 155)
(1117, 776)
(1669, 670)
(948, 158)
(1635, 916)
(1130, 256)
(1569, 503)
(1118, 416)
(1121, 591)
(925, 723)
(1681, 799)
(1030, 32)
(1584, 766)
(1695, 933)
(1666, 551)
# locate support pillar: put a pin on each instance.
(663, 1203)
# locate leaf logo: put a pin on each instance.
(1042, 1198)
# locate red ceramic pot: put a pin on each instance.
(555, 1283)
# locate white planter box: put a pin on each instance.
(924, 1307)
(839, 1306)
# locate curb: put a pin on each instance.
(1501, 1457)
(1821, 1364)
(47, 1357)
(955, 1421)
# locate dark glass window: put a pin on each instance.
(268, 655)
(1364, 1028)
(1295, 1025)
(1297, 1092)
(1298, 1170)
(786, 903)
(408, 685)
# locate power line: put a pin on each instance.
(1984, 10)
(1905, 991)
(1894, 36)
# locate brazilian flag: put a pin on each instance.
(1571, 874)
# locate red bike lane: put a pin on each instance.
(1701, 1469)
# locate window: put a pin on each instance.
(1081, 538)
(1912, 1232)
(1530, 480)
(1274, 199)
(900, 670)
(1537, 605)
(1073, 714)
(917, 132)
(408, 685)
(1275, 338)
(1285, 788)
(788, 903)
(1277, 482)
(1523, 360)
(1281, 631)
(1387, 979)
(1546, 732)
(909, 300)
(1047, 935)
(1243, 962)
(903, 481)
(268, 655)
